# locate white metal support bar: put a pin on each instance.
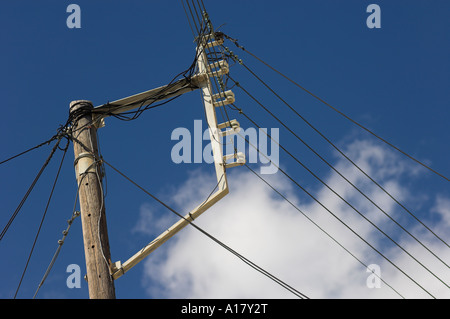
(135, 101)
(234, 126)
(119, 269)
(210, 70)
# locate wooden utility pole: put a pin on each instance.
(89, 175)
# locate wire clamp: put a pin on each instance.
(85, 162)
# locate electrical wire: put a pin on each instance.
(75, 214)
(241, 257)
(147, 103)
(56, 254)
(43, 218)
(353, 206)
(30, 149)
(213, 56)
(338, 111)
(337, 218)
(102, 199)
(347, 201)
(205, 31)
(97, 162)
(30, 188)
(315, 224)
(362, 215)
(189, 21)
(327, 163)
(334, 146)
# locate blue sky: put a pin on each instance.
(394, 80)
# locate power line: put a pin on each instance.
(75, 214)
(338, 111)
(43, 218)
(368, 220)
(144, 104)
(205, 31)
(30, 149)
(219, 87)
(332, 144)
(357, 211)
(315, 224)
(135, 114)
(244, 259)
(147, 103)
(189, 21)
(340, 220)
(22, 202)
(234, 58)
(326, 162)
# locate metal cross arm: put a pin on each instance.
(118, 269)
(138, 100)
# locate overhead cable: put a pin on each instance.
(22, 202)
(338, 111)
(318, 226)
(335, 147)
(337, 218)
(30, 149)
(43, 218)
(244, 259)
(327, 163)
(61, 241)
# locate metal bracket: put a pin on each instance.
(240, 160)
(116, 268)
(211, 40)
(223, 98)
(234, 126)
(218, 68)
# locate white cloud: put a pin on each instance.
(442, 208)
(266, 229)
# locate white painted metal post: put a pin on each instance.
(216, 134)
